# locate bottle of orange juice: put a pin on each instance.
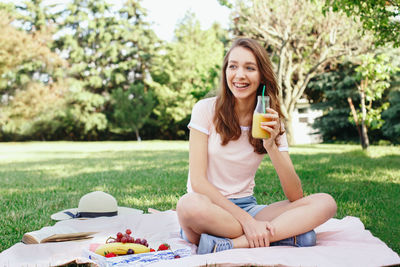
(257, 131)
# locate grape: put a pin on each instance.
(138, 241)
(119, 235)
(144, 242)
(128, 231)
(118, 239)
(130, 251)
(130, 240)
(123, 239)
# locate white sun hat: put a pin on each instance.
(95, 204)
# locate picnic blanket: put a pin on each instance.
(340, 242)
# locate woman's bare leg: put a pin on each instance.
(197, 214)
(300, 216)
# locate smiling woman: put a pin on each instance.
(219, 211)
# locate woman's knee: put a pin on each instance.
(327, 202)
(192, 206)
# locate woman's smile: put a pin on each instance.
(241, 85)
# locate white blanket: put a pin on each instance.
(342, 242)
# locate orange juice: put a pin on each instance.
(257, 131)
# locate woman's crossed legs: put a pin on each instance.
(197, 215)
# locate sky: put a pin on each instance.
(165, 14)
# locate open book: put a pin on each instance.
(55, 233)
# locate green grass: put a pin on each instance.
(41, 178)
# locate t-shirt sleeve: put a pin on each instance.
(282, 141)
(201, 117)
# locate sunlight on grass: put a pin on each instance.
(38, 179)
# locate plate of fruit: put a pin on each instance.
(124, 248)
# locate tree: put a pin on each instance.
(329, 92)
(382, 17)
(301, 41)
(35, 19)
(374, 75)
(18, 49)
(132, 108)
(23, 56)
(106, 49)
(188, 69)
(35, 104)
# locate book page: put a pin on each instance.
(53, 233)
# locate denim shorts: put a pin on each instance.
(248, 204)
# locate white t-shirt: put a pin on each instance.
(231, 168)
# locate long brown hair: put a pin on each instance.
(227, 125)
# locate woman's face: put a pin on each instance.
(242, 73)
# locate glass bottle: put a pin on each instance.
(258, 117)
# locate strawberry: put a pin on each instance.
(164, 246)
(110, 255)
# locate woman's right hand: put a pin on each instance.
(258, 232)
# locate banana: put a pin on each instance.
(121, 248)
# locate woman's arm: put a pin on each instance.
(290, 181)
(281, 161)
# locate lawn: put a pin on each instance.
(41, 178)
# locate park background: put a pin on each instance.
(92, 71)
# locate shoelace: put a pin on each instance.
(221, 245)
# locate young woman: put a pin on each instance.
(219, 211)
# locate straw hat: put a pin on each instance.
(93, 205)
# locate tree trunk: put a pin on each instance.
(364, 133)
(289, 130)
(355, 117)
(137, 135)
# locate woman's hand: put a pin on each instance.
(258, 233)
(271, 126)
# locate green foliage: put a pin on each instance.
(34, 16)
(391, 127)
(226, 3)
(378, 16)
(132, 108)
(301, 42)
(34, 26)
(106, 49)
(187, 71)
(52, 113)
(83, 118)
(373, 76)
(333, 88)
(31, 108)
(23, 56)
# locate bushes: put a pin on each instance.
(391, 127)
(53, 113)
